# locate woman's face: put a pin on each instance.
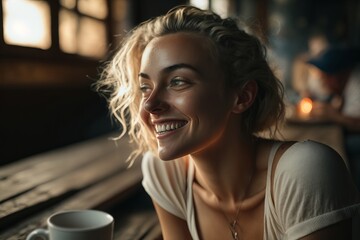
(184, 101)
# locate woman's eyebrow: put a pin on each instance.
(179, 66)
(144, 75)
(172, 68)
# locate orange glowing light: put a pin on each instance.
(305, 106)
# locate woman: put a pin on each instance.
(194, 91)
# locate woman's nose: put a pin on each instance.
(155, 104)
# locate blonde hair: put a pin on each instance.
(241, 55)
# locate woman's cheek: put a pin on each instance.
(180, 102)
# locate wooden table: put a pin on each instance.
(87, 175)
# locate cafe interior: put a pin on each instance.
(58, 141)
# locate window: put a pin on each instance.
(27, 23)
(203, 4)
(82, 28)
(76, 27)
(224, 8)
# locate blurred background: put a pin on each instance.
(51, 53)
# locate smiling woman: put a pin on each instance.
(199, 90)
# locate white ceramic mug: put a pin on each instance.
(76, 225)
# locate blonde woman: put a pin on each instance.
(193, 91)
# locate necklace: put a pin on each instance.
(234, 223)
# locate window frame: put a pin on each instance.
(54, 51)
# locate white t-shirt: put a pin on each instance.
(312, 189)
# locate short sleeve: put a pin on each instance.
(312, 189)
(165, 182)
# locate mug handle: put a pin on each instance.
(38, 233)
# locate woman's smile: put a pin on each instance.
(166, 127)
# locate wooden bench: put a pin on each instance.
(87, 175)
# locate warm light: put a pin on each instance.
(221, 7)
(305, 106)
(93, 8)
(202, 4)
(91, 38)
(68, 3)
(81, 35)
(68, 25)
(27, 23)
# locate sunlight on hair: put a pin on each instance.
(27, 23)
(122, 90)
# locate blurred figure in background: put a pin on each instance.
(338, 70)
(303, 80)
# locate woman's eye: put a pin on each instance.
(145, 89)
(178, 83)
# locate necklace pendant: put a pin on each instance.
(235, 235)
(233, 230)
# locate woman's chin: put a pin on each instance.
(168, 155)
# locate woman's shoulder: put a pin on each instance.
(310, 152)
(312, 188)
(311, 161)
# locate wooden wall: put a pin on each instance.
(46, 104)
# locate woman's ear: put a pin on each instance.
(245, 96)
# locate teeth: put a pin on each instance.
(160, 128)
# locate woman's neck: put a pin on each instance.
(225, 171)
